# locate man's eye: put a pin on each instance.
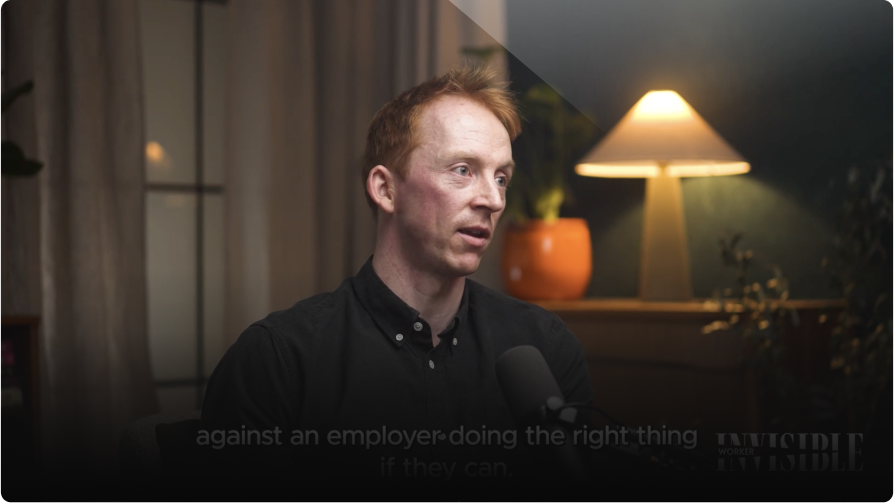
(462, 170)
(502, 181)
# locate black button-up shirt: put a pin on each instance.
(360, 358)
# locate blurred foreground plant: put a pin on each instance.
(860, 270)
(757, 313)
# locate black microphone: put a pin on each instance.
(527, 383)
(535, 399)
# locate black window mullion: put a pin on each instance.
(180, 188)
(200, 201)
(199, 189)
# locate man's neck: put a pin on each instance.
(435, 297)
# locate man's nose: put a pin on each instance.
(490, 195)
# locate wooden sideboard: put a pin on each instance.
(651, 363)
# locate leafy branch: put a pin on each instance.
(757, 313)
(14, 161)
(553, 137)
(860, 270)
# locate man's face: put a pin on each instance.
(448, 204)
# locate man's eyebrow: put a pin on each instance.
(459, 156)
(466, 156)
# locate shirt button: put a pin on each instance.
(454, 341)
(399, 337)
(431, 364)
(417, 326)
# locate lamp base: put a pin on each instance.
(664, 266)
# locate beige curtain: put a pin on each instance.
(305, 78)
(88, 213)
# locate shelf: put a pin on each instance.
(652, 362)
(695, 309)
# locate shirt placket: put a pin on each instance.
(434, 367)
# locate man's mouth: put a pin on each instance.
(475, 236)
(476, 232)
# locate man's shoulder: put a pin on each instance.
(307, 315)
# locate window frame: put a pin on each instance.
(198, 189)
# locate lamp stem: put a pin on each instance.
(664, 267)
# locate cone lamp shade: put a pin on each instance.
(662, 138)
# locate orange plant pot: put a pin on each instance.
(548, 261)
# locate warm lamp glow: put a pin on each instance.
(662, 132)
(662, 139)
(620, 170)
(154, 152)
(708, 169)
(661, 105)
(157, 157)
(617, 170)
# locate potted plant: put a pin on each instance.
(544, 256)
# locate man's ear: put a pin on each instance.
(380, 186)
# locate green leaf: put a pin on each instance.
(547, 205)
(542, 94)
(553, 137)
(483, 53)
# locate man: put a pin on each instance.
(408, 344)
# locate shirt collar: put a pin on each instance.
(389, 312)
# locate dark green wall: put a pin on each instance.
(800, 127)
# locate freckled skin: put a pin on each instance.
(456, 178)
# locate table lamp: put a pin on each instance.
(661, 139)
